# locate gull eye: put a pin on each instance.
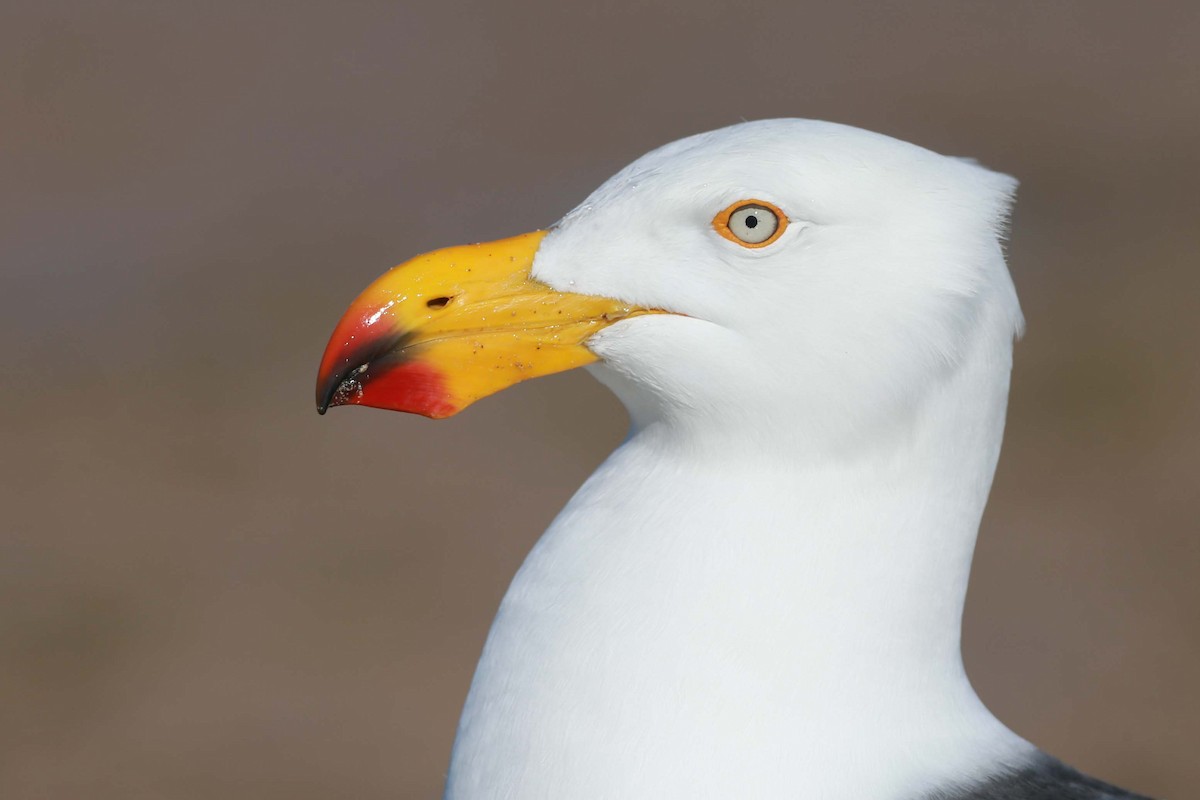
(751, 223)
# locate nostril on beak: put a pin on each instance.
(437, 302)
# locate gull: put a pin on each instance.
(759, 594)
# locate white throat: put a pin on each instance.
(749, 621)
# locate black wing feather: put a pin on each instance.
(1046, 778)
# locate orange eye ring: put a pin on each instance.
(721, 222)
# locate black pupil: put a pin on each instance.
(751, 221)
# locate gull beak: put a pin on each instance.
(435, 334)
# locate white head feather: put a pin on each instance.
(890, 267)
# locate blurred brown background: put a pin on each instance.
(208, 591)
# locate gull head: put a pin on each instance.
(782, 272)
